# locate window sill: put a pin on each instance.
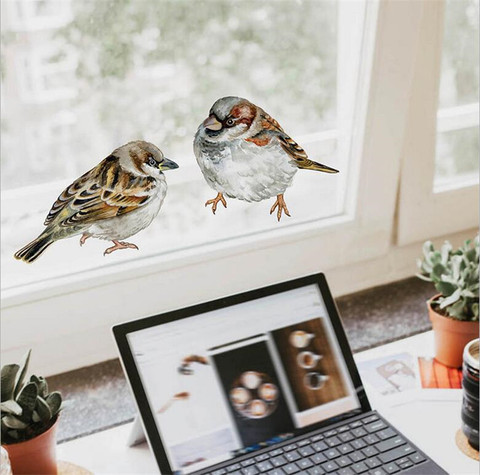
(151, 264)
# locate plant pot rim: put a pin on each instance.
(36, 438)
(469, 356)
(446, 317)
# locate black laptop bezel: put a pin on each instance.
(121, 331)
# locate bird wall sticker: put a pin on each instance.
(244, 153)
(113, 201)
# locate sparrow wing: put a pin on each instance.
(104, 192)
(300, 157)
(272, 129)
(270, 123)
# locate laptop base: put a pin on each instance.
(365, 444)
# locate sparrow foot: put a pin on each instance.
(120, 245)
(281, 205)
(84, 237)
(215, 201)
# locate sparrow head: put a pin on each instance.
(143, 158)
(230, 118)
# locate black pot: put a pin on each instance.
(470, 401)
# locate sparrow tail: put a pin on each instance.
(34, 249)
(319, 167)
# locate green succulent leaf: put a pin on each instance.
(451, 299)
(54, 400)
(8, 374)
(424, 277)
(471, 255)
(445, 252)
(427, 249)
(456, 311)
(28, 397)
(456, 261)
(438, 269)
(12, 422)
(13, 434)
(11, 407)
(22, 373)
(41, 383)
(43, 409)
(445, 288)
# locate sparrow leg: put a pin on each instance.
(84, 237)
(119, 245)
(215, 201)
(281, 205)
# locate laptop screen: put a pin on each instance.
(239, 378)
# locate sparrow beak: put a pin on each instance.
(167, 165)
(211, 123)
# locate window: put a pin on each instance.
(457, 121)
(439, 181)
(152, 70)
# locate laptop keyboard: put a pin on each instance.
(367, 446)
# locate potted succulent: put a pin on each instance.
(454, 310)
(29, 416)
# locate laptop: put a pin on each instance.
(263, 382)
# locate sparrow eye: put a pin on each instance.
(152, 162)
(229, 122)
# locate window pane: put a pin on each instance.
(459, 80)
(107, 72)
(461, 143)
(457, 141)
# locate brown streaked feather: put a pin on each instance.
(300, 156)
(270, 128)
(138, 158)
(66, 196)
(270, 123)
(104, 192)
(293, 149)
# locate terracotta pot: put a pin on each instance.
(451, 336)
(35, 456)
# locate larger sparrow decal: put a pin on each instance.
(113, 201)
(245, 154)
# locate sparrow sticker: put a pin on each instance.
(244, 153)
(113, 201)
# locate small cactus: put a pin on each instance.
(455, 276)
(27, 409)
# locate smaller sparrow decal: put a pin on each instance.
(113, 201)
(244, 153)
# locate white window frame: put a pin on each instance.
(427, 209)
(74, 315)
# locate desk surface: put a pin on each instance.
(430, 423)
